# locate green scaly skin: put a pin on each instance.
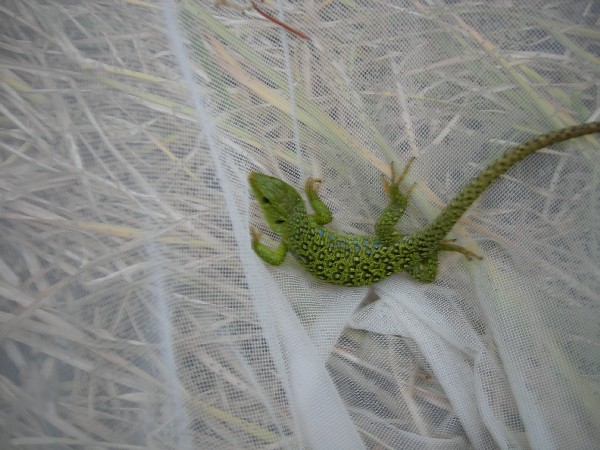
(358, 260)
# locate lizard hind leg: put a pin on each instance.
(425, 270)
(387, 220)
(392, 187)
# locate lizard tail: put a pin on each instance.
(443, 223)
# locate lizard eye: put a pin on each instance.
(280, 221)
(265, 200)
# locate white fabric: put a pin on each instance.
(134, 313)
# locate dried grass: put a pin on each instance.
(123, 306)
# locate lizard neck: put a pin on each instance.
(299, 225)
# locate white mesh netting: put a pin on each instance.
(134, 313)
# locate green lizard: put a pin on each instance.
(358, 260)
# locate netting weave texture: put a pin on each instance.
(133, 312)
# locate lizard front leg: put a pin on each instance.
(268, 255)
(322, 213)
(387, 220)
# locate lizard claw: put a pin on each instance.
(392, 186)
(255, 235)
(448, 245)
(309, 186)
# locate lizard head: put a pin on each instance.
(277, 199)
